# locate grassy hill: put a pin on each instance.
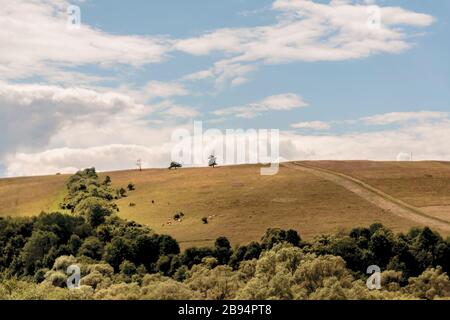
(241, 204)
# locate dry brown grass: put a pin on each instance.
(31, 195)
(245, 203)
(242, 202)
(422, 184)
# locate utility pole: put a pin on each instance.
(139, 164)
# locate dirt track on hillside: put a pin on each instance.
(375, 196)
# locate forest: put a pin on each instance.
(120, 259)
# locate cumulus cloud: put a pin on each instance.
(306, 31)
(69, 160)
(279, 102)
(40, 117)
(59, 128)
(36, 41)
(31, 115)
(424, 141)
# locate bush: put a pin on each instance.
(95, 210)
(92, 247)
(127, 268)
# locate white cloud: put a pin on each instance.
(158, 89)
(199, 75)
(35, 116)
(315, 125)
(69, 160)
(403, 117)
(424, 141)
(54, 128)
(306, 31)
(168, 108)
(280, 102)
(403, 156)
(36, 41)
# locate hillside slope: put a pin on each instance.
(240, 203)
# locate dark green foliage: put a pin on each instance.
(163, 264)
(94, 210)
(107, 181)
(118, 250)
(84, 184)
(222, 250)
(195, 255)
(411, 253)
(131, 187)
(34, 254)
(92, 247)
(74, 244)
(248, 252)
(146, 251)
(168, 245)
(276, 235)
(29, 245)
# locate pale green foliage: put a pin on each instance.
(120, 291)
(431, 284)
(217, 283)
(274, 275)
(158, 287)
(283, 272)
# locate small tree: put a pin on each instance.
(107, 181)
(121, 193)
(175, 165)
(212, 161)
(131, 187)
(205, 220)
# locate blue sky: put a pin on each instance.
(414, 80)
(309, 68)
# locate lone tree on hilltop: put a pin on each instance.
(175, 165)
(212, 161)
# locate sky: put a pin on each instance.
(340, 79)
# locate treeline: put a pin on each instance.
(121, 259)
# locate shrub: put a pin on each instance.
(92, 247)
